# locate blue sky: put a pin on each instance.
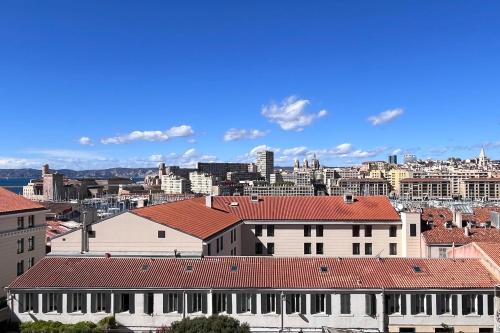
(94, 84)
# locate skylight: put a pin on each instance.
(417, 269)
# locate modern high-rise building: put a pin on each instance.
(393, 159)
(265, 163)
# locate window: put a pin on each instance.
(270, 230)
(293, 303)
(418, 303)
(307, 248)
(148, 303)
(220, 302)
(319, 231)
(319, 303)
(345, 303)
(221, 243)
(124, 302)
(91, 233)
(319, 248)
(196, 302)
(413, 230)
(443, 252)
(490, 304)
(20, 222)
(100, 300)
(161, 233)
(20, 267)
(368, 249)
(469, 304)
(171, 302)
(28, 302)
(244, 302)
(31, 221)
(393, 249)
(392, 231)
(368, 230)
(258, 230)
(258, 248)
(307, 231)
(209, 249)
(20, 245)
(392, 303)
(51, 302)
(270, 248)
(371, 305)
(443, 303)
(270, 304)
(31, 243)
(31, 262)
(355, 231)
(77, 302)
(233, 236)
(355, 249)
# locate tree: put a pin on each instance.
(212, 324)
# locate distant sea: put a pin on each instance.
(14, 184)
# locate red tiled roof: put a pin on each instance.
(479, 179)
(409, 180)
(492, 250)
(367, 208)
(189, 216)
(256, 272)
(442, 235)
(12, 203)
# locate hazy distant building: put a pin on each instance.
(53, 185)
(265, 163)
(409, 158)
(360, 187)
(172, 184)
(201, 182)
(279, 190)
(220, 170)
(393, 159)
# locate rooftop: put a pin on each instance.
(13, 203)
(256, 272)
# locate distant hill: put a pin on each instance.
(105, 173)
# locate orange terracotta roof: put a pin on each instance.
(13, 203)
(366, 208)
(190, 216)
(256, 272)
(492, 250)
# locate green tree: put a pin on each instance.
(212, 324)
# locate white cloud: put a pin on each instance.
(179, 131)
(190, 153)
(295, 151)
(85, 141)
(156, 158)
(18, 163)
(386, 116)
(239, 134)
(397, 151)
(256, 149)
(342, 149)
(290, 115)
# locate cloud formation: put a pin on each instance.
(384, 117)
(291, 115)
(240, 134)
(178, 131)
(85, 141)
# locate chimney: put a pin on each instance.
(467, 231)
(348, 198)
(457, 218)
(209, 201)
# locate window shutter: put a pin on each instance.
(288, 305)
(464, 305)
(229, 302)
(107, 303)
(328, 300)
(490, 304)
(204, 303)
(165, 302)
(303, 304)
(92, 303)
(386, 304)
(116, 302)
(35, 303)
(279, 302)
(69, 302)
(313, 303)
(180, 302)
(239, 302)
(214, 303)
(254, 303)
(454, 307)
(368, 304)
(84, 303)
(374, 304)
(44, 303)
(439, 306)
(20, 303)
(403, 304)
(59, 303)
(428, 299)
(480, 304)
(263, 303)
(413, 304)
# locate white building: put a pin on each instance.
(201, 182)
(172, 184)
(265, 163)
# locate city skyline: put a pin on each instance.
(221, 81)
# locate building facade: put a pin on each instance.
(485, 189)
(201, 182)
(425, 189)
(265, 163)
(172, 184)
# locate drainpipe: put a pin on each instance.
(184, 301)
(283, 309)
(382, 319)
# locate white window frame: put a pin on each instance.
(196, 302)
(246, 302)
(394, 300)
(271, 300)
(320, 302)
(221, 300)
(100, 302)
(51, 300)
(446, 303)
(172, 302)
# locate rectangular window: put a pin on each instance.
(443, 303)
(368, 230)
(443, 252)
(368, 249)
(419, 306)
(319, 231)
(31, 262)
(51, 302)
(307, 248)
(209, 249)
(29, 302)
(371, 305)
(20, 245)
(218, 246)
(148, 303)
(196, 302)
(20, 267)
(20, 222)
(393, 303)
(355, 249)
(31, 243)
(31, 221)
(469, 304)
(161, 233)
(293, 301)
(244, 302)
(393, 249)
(221, 243)
(100, 302)
(319, 248)
(270, 248)
(258, 248)
(270, 230)
(307, 231)
(171, 302)
(345, 303)
(320, 303)
(413, 230)
(258, 230)
(355, 231)
(124, 302)
(270, 303)
(219, 302)
(91, 233)
(77, 302)
(392, 231)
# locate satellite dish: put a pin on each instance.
(400, 207)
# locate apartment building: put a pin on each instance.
(278, 190)
(486, 189)
(172, 184)
(270, 294)
(220, 170)
(265, 226)
(394, 176)
(425, 189)
(22, 236)
(202, 182)
(265, 163)
(457, 176)
(360, 187)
